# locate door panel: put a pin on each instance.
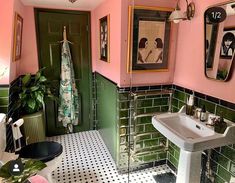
(50, 24)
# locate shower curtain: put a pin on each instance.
(68, 100)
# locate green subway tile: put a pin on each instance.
(150, 158)
(209, 105)
(3, 100)
(149, 143)
(223, 161)
(181, 104)
(177, 155)
(175, 102)
(123, 113)
(174, 146)
(4, 92)
(232, 168)
(162, 155)
(179, 95)
(140, 129)
(218, 179)
(123, 96)
(171, 150)
(160, 101)
(153, 109)
(164, 108)
(224, 174)
(141, 111)
(226, 113)
(140, 158)
(174, 109)
(144, 137)
(156, 135)
(124, 105)
(149, 128)
(228, 152)
(3, 109)
(124, 122)
(144, 120)
(145, 103)
(173, 160)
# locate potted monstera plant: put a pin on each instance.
(32, 92)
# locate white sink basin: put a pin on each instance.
(190, 134)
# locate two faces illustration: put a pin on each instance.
(152, 55)
(227, 47)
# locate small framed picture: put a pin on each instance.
(104, 33)
(17, 44)
(150, 32)
(228, 43)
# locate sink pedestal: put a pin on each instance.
(189, 167)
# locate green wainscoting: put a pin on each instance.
(4, 99)
(107, 113)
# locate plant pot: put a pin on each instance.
(34, 127)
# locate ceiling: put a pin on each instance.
(65, 4)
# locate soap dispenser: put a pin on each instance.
(203, 114)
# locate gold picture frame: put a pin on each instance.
(104, 38)
(140, 18)
(18, 30)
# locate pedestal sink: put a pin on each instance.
(192, 136)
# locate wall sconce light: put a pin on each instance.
(177, 15)
(72, 1)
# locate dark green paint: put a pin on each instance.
(50, 25)
(107, 113)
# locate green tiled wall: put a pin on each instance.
(222, 158)
(4, 95)
(149, 142)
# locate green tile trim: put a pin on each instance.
(226, 113)
(4, 101)
(210, 107)
(224, 174)
(4, 92)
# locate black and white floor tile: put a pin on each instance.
(87, 160)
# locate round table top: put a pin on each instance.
(43, 151)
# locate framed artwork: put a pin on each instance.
(149, 36)
(228, 43)
(17, 44)
(104, 33)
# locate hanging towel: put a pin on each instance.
(68, 107)
(16, 129)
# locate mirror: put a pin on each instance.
(219, 24)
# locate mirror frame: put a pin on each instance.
(232, 67)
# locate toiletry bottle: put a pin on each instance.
(189, 105)
(203, 114)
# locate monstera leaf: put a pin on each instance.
(31, 167)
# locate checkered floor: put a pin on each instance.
(87, 160)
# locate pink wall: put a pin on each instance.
(189, 71)
(15, 66)
(29, 61)
(6, 24)
(116, 70)
(148, 78)
(110, 70)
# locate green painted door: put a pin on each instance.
(50, 25)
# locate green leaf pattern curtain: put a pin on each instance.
(68, 105)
